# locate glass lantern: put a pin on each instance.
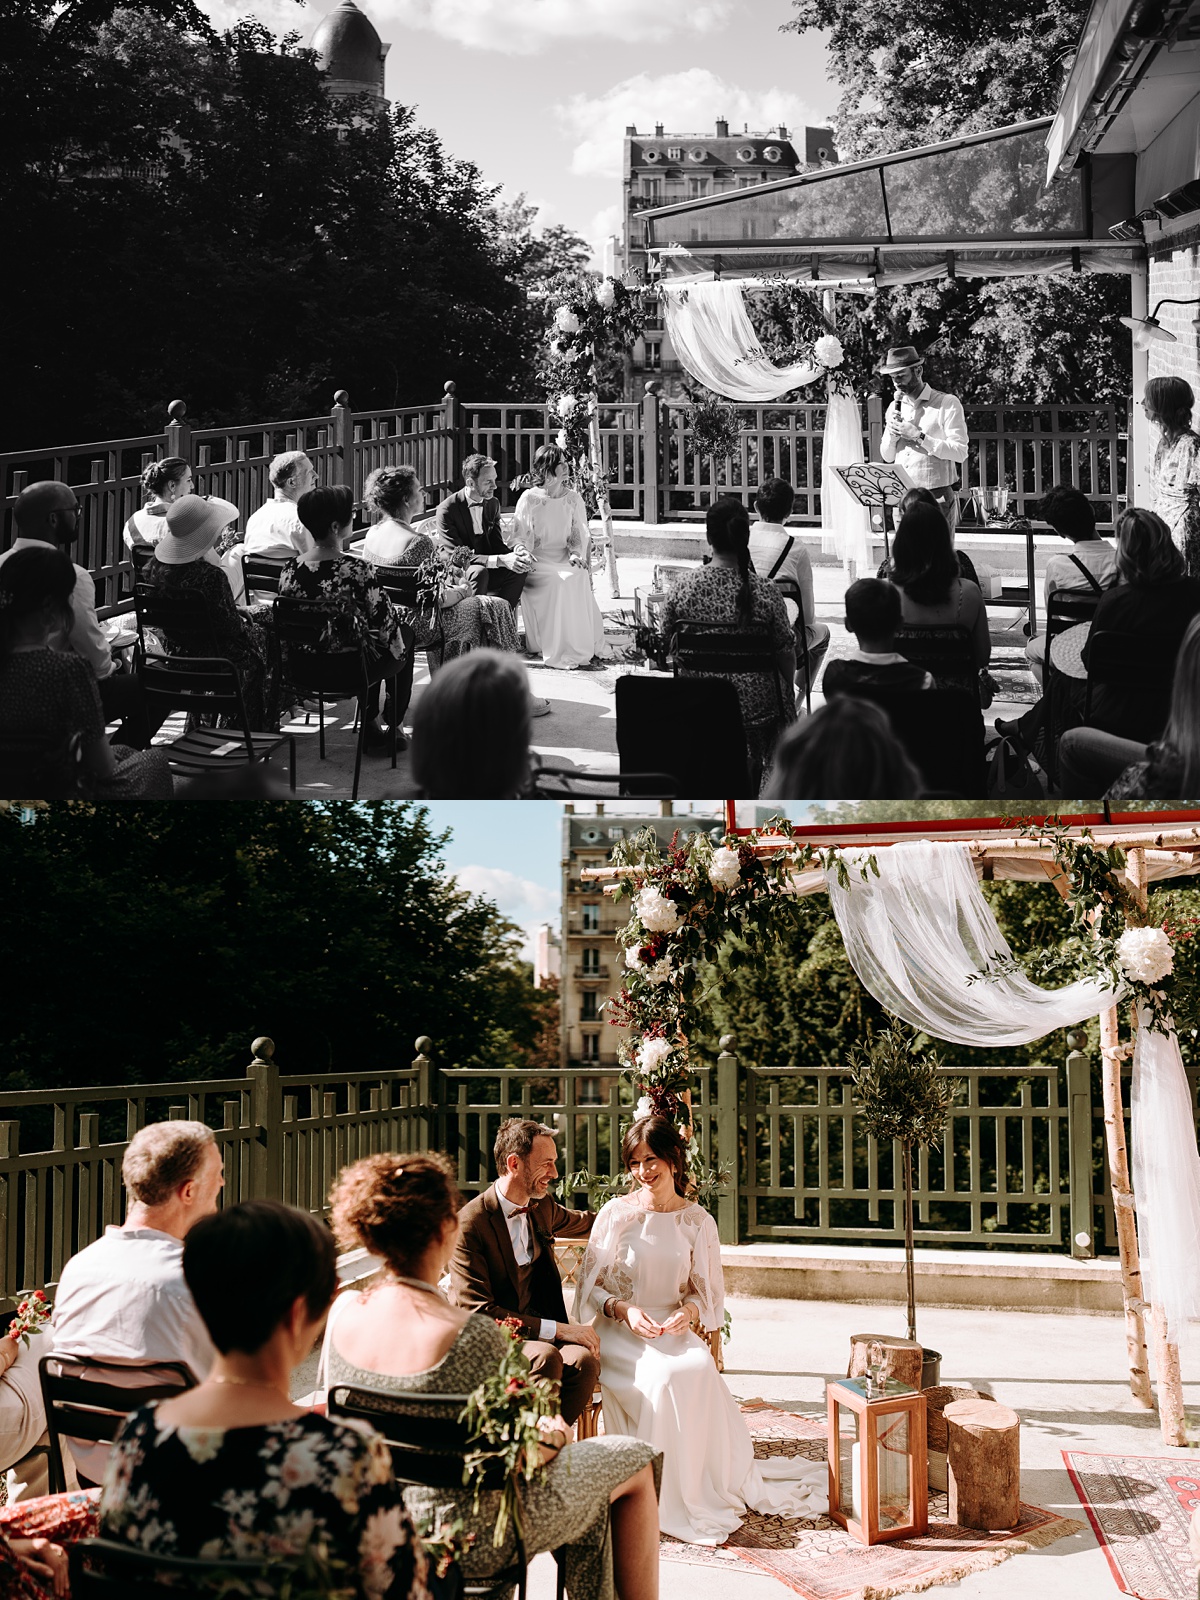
(878, 1479)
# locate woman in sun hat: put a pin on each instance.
(178, 567)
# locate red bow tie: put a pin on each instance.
(518, 1211)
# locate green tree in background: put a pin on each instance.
(154, 942)
(910, 78)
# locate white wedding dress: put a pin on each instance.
(562, 619)
(668, 1391)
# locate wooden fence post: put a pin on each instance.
(343, 439)
(177, 436)
(727, 1139)
(452, 413)
(266, 1117)
(874, 426)
(651, 453)
(1079, 1141)
(428, 1093)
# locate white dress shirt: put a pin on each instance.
(932, 462)
(86, 638)
(276, 530)
(522, 1243)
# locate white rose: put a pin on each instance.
(657, 913)
(644, 1108)
(565, 320)
(725, 868)
(560, 439)
(566, 404)
(1145, 954)
(633, 956)
(828, 350)
(660, 972)
(654, 1053)
(606, 294)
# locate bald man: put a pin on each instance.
(49, 513)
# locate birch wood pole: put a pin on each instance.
(600, 478)
(1166, 1354)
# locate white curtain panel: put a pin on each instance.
(1166, 1178)
(845, 525)
(714, 338)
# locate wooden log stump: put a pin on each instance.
(902, 1358)
(936, 1401)
(983, 1454)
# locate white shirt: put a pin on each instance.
(767, 542)
(1097, 555)
(276, 530)
(522, 1243)
(944, 424)
(86, 638)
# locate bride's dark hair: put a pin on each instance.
(547, 460)
(664, 1140)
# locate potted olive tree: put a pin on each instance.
(902, 1094)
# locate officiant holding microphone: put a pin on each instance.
(924, 430)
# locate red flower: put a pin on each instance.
(514, 1386)
(512, 1327)
(39, 1294)
(23, 1307)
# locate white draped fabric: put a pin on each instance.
(714, 338)
(919, 931)
(845, 525)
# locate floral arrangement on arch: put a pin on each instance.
(792, 330)
(715, 426)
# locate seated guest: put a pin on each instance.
(49, 513)
(360, 614)
(164, 482)
(728, 591)
(597, 1497)
(33, 1562)
(466, 620)
(1153, 603)
(925, 497)
(23, 1417)
(846, 750)
(237, 634)
(47, 690)
(275, 529)
(779, 556)
(933, 593)
(1094, 763)
(471, 730)
(232, 1469)
(470, 520)
(123, 1299)
(873, 616)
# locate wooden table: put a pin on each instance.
(1014, 595)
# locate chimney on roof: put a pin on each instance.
(783, 133)
(745, 127)
(630, 131)
(658, 130)
(722, 128)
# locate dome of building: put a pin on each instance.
(350, 51)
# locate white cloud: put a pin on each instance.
(281, 16)
(603, 225)
(684, 102)
(526, 27)
(523, 901)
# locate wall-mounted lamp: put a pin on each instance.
(1146, 330)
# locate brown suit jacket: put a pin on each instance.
(483, 1269)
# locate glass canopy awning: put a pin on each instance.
(978, 205)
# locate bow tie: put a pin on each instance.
(518, 1211)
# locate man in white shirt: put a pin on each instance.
(503, 1264)
(778, 555)
(924, 430)
(275, 529)
(124, 1299)
(49, 513)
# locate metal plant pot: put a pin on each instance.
(931, 1369)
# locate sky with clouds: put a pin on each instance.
(538, 92)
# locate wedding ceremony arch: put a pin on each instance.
(924, 943)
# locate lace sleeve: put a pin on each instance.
(706, 1281)
(601, 1274)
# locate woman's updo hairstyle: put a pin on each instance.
(394, 1206)
(159, 475)
(665, 1141)
(728, 527)
(389, 489)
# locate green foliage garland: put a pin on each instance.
(716, 427)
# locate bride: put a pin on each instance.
(562, 619)
(651, 1279)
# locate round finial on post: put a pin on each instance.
(654, 387)
(341, 398)
(177, 410)
(449, 387)
(263, 1049)
(1076, 1041)
(728, 1043)
(424, 1045)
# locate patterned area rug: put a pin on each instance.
(818, 1560)
(1139, 1508)
(1012, 675)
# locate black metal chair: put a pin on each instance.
(41, 766)
(429, 1447)
(942, 731)
(1133, 661)
(1065, 609)
(205, 686)
(720, 648)
(400, 586)
(943, 651)
(691, 728)
(564, 783)
(80, 1405)
(301, 626)
(105, 1569)
(261, 574)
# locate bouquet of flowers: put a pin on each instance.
(446, 1544)
(33, 1313)
(446, 565)
(512, 1414)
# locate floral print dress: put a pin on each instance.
(1175, 480)
(307, 1485)
(61, 1518)
(480, 619)
(359, 611)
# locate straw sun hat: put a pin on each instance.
(194, 523)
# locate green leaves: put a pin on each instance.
(900, 1089)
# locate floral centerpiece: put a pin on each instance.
(715, 427)
(513, 1414)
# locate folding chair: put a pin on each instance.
(92, 1408)
(691, 728)
(721, 648)
(429, 1447)
(105, 1569)
(553, 783)
(206, 686)
(261, 574)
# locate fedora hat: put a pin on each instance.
(193, 524)
(899, 357)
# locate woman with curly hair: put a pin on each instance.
(1175, 469)
(562, 619)
(467, 620)
(597, 1497)
(651, 1280)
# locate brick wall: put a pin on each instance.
(1175, 273)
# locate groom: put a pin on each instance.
(472, 518)
(503, 1264)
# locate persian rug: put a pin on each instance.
(817, 1559)
(1011, 674)
(1139, 1508)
